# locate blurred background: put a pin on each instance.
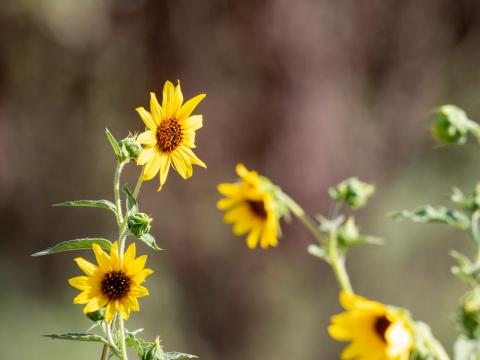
(307, 92)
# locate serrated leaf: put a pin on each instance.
(439, 215)
(77, 244)
(150, 241)
(78, 337)
(174, 355)
(102, 204)
(132, 204)
(318, 251)
(114, 143)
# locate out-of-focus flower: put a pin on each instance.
(251, 208)
(450, 125)
(375, 330)
(170, 135)
(113, 284)
(353, 192)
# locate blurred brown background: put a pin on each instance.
(307, 92)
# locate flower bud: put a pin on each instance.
(469, 202)
(155, 352)
(469, 314)
(139, 224)
(353, 192)
(130, 148)
(450, 125)
(96, 315)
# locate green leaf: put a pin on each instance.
(114, 143)
(439, 215)
(173, 355)
(132, 204)
(103, 204)
(318, 251)
(77, 244)
(150, 241)
(78, 337)
(96, 316)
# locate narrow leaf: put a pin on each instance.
(173, 355)
(77, 337)
(150, 241)
(438, 215)
(77, 244)
(102, 204)
(114, 143)
(132, 205)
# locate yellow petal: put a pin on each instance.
(147, 118)
(193, 158)
(168, 101)
(252, 238)
(148, 138)
(156, 110)
(95, 304)
(187, 108)
(87, 267)
(110, 311)
(115, 257)
(152, 167)
(179, 164)
(230, 190)
(140, 277)
(82, 298)
(193, 123)
(137, 265)
(103, 259)
(79, 282)
(129, 255)
(121, 309)
(132, 302)
(146, 155)
(177, 100)
(139, 291)
(165, 162)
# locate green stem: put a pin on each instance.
(116, 192)
(123, 347)
(336, 262)
(475, 233)
(104, 352)
(138, 186)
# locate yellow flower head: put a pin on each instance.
(170, 135)
(375, 330)
(251, 208)
(114, 283)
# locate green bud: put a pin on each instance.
(139, 224)
(450, 125)
(349, 234)
(469, 314)
(470, 202)
(130, 148)
(353, 192)
(154, 352)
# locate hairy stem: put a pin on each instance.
(138, 186)
(104, 352)
(123, 347)
(336, 262)
(116, 192)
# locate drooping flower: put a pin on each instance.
(251, 208)
(375, 330)
(170, 135)
(113, 284)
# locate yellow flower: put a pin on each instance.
(114, 283)
(376, 332)
(170, 135)
(250, 208)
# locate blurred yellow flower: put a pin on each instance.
(170, 135)
(375, 330)
(114, 283)
(251, 208)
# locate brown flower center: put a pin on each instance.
(169, 135)
(257, 208)
(115, 285)
(381, 325)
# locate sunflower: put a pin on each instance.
(376, 331)
(170, 135)
(114, 283)
(251, 208)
